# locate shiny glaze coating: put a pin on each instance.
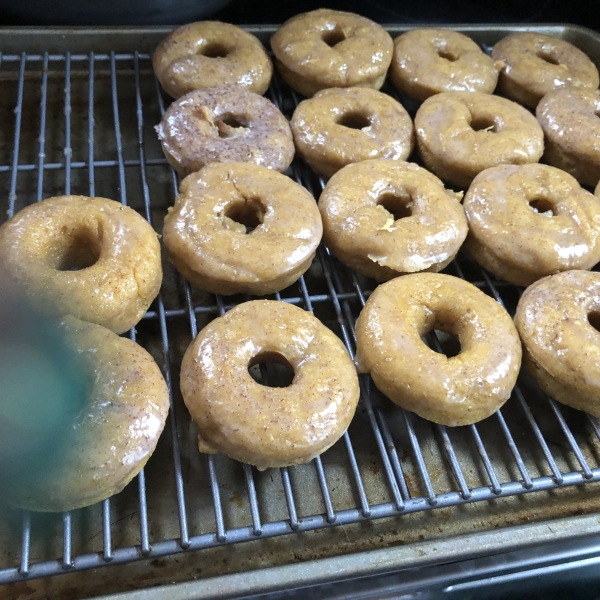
(225, 124)
(514, 241)
(331, 48)
(216, 254)
(365, 236)
(459, 134)
(569, 118)
(260, 425)
(116, 431)
(115, 251)
(430, 61)
(535, 64)
(378, 127)
(209, 53)
(453, 391)
(561, 349)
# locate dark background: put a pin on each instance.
(127, 12)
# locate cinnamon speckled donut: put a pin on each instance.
(260, 425)
(529, 221)
(453, 391)
(459, 134)
(331, 48)
(225, 124)
(385, 218)
(569, 118)
(535, 64)
(341, 126)
(209, 53)
(205, 232)
(558, 319)
(92, 258)
(432, 61)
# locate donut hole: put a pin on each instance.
(548, 57)
(594, 320)
(354, 120)
(398, 205)
(334, 36)
(214, 50)
(483, 124)
(441, 337)
(230, 126)
(76, 249)
(447, 55)
(542, 206)
(271, 369)
(246, 215)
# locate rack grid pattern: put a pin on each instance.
(339, 290)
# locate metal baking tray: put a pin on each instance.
(78, 108)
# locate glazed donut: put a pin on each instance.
(529, 221)
(210, 53)
(385, 218)
(115, 432)
(89, 257)
(260, 425)
(459, 134)
(453, 391)
(535, 64)
(430, 61)
(557, 319)
(572, 132)
(225, 124)
(342, 126)
(205, 232)
(330, 48)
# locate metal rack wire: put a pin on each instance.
(332, 292)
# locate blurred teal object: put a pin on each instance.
(43, 387)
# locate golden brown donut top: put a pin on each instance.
(90, 257)
(540, 63)
(346, 125)
(116, 430)
(201, 231)
(261, 425)
(209, 53)
(340, 48)
(454, 391)
(356, 221)
(225, 124)
(553, 319)
(534, 215)
(468, 132)
(431, 61)
(569, 117)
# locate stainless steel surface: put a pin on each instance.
(79, 108)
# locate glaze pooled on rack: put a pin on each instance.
(260, 425)
(529, 221)
(225, 124)
(92, 258)
(209, 53)
(558, 319)
(453, 391)
(431, 61)
(385, 218)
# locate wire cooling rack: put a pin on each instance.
(83, 124)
